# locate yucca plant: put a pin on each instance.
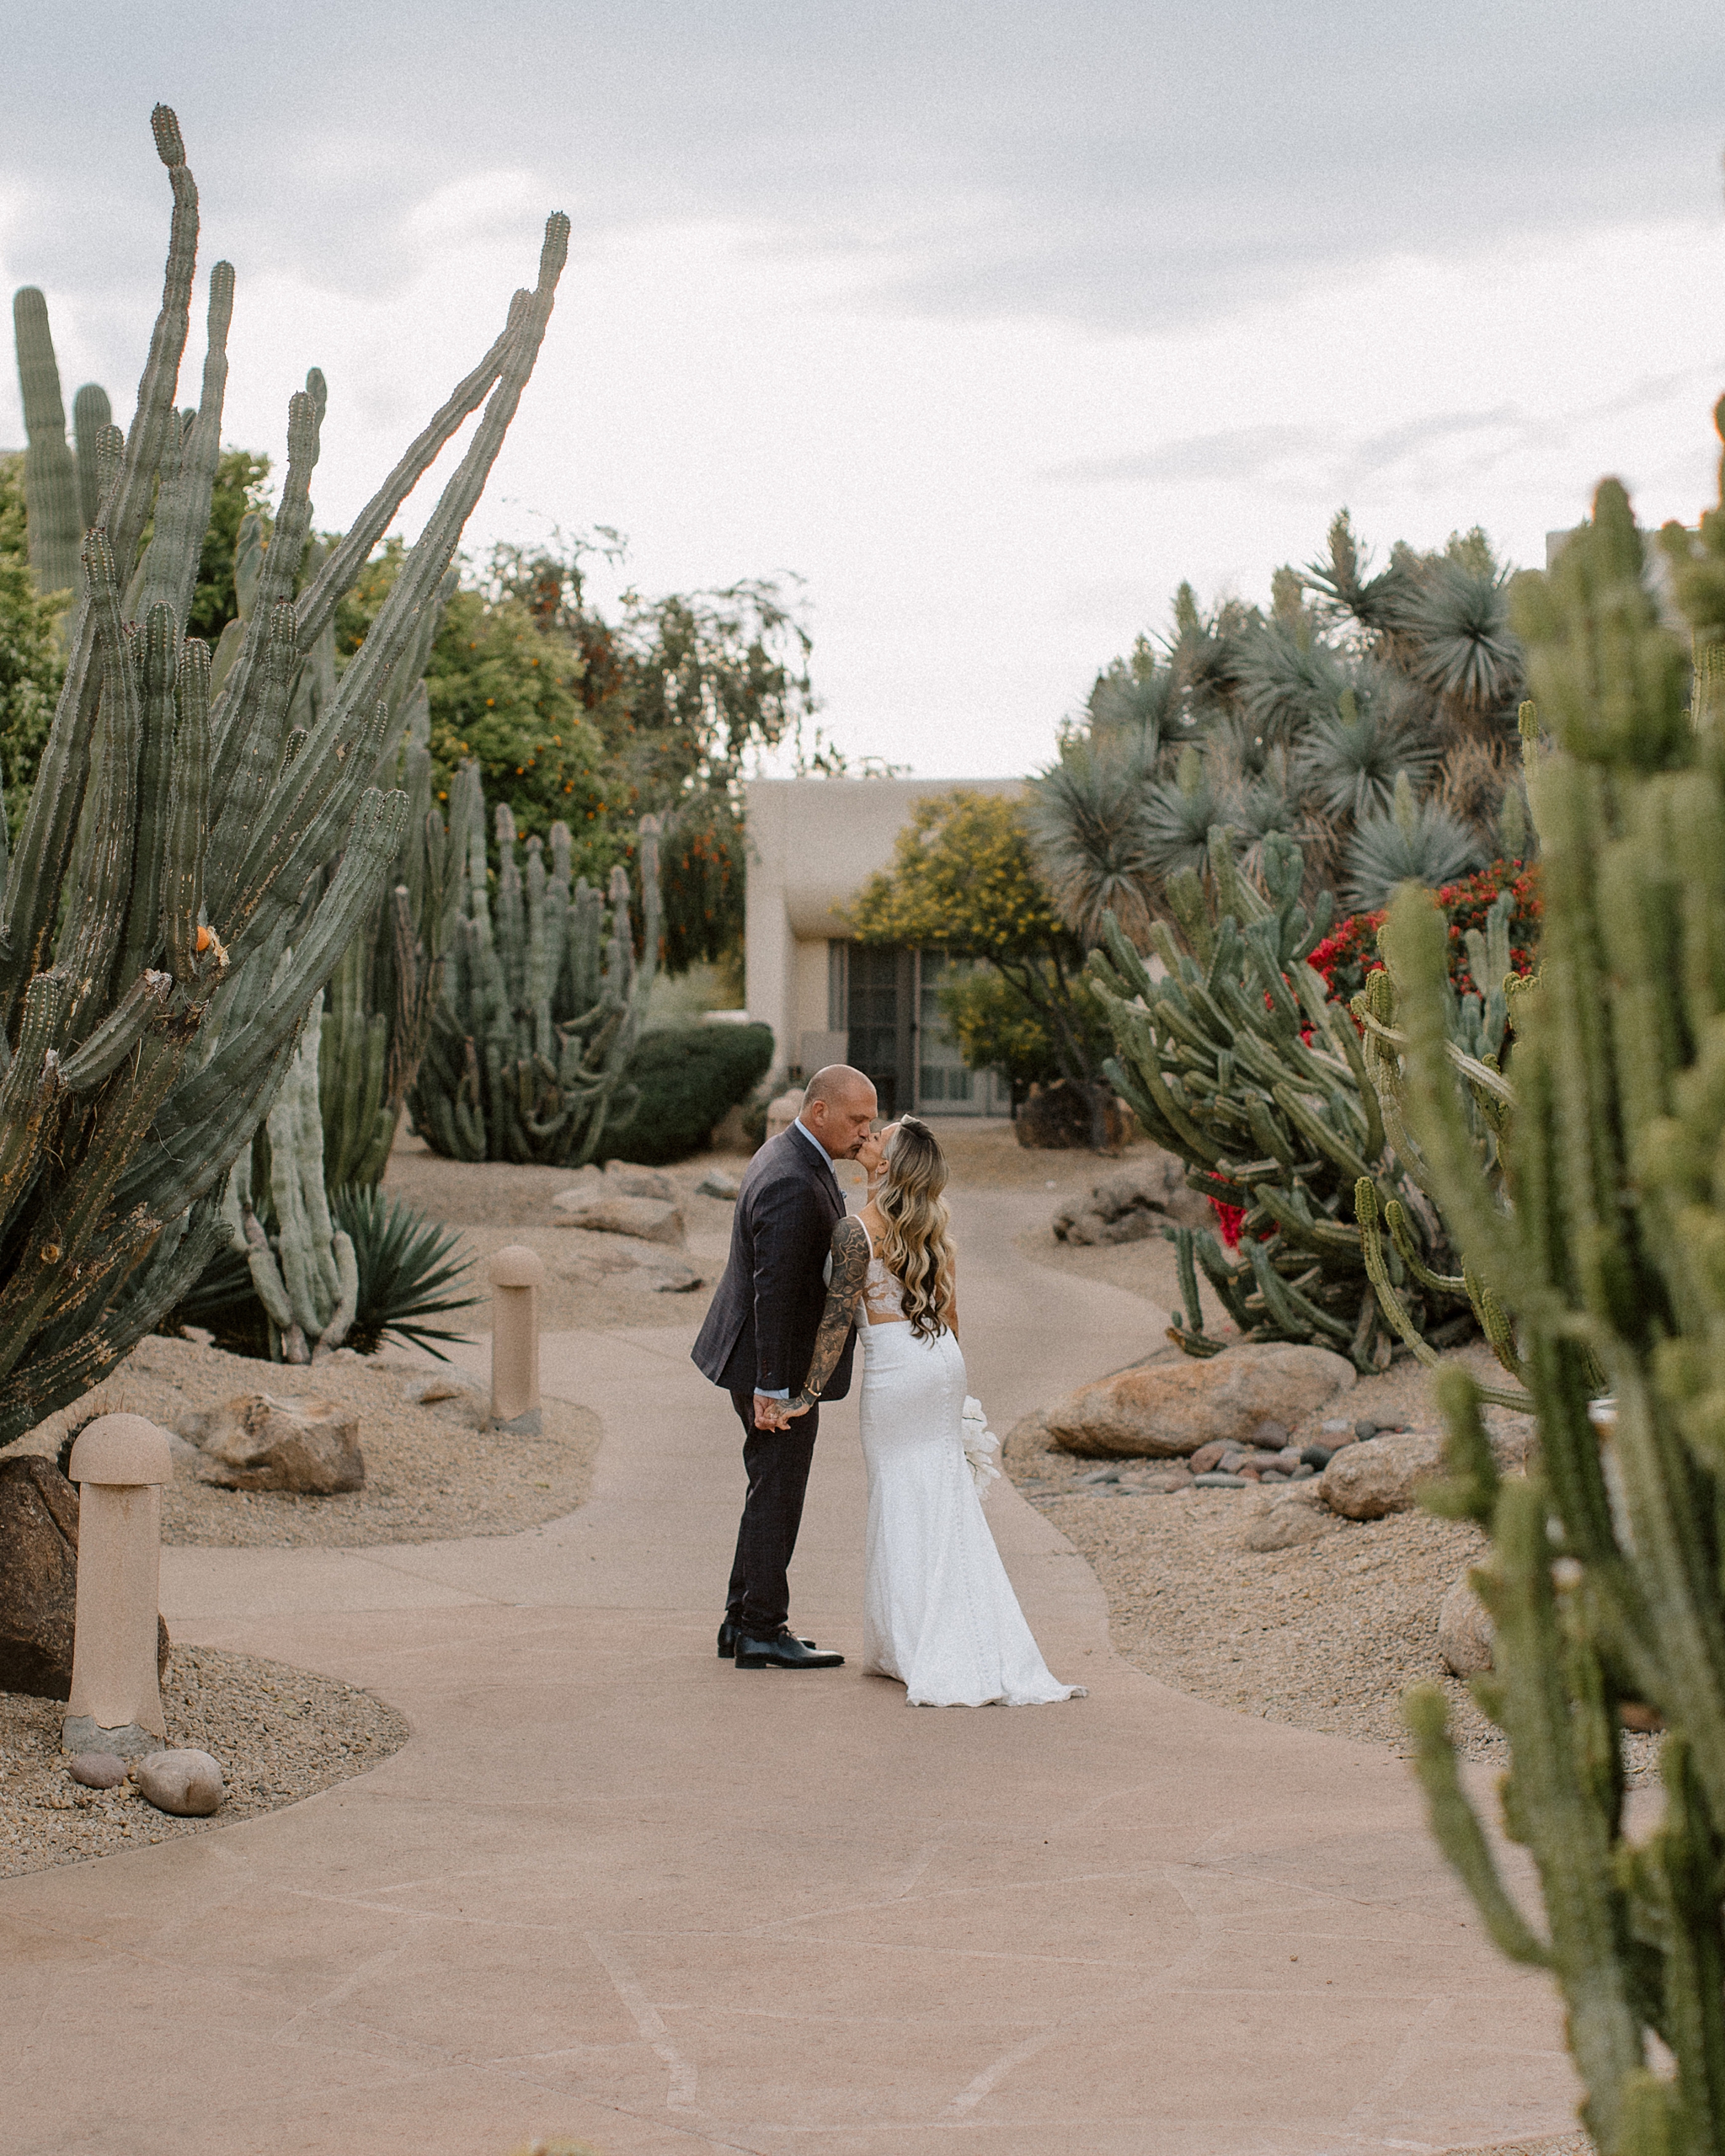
(1410, 842)
(1349, 759)
(1088, 819)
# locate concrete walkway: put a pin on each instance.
(615, 1890)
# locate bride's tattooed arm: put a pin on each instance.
(850, 1268)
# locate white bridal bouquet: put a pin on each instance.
(980, 1446)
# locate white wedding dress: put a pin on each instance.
(938, 1611)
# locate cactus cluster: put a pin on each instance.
(1604, 1576)
(542, 1004)
(190, 868)
(1234, 1056)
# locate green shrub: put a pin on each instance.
(688, 1076)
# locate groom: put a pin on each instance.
(758, 1341)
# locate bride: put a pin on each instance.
(939, 1612)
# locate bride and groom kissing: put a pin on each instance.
(804, 1280)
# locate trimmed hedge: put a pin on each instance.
(689, 1076)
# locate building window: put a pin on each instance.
(880, 1010)
(838, 986)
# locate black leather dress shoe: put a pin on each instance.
(727, 1637)
(784, 1651)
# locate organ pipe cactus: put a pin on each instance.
(308, 1279)
(540, 1007)
(189, 870)
(385, 989)
(1236, 1058)
(61, 489)
(1603, 1572)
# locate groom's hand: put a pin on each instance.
(769, 1414)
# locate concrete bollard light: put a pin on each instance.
(119, 1463)
(517, 1274)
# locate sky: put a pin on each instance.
(979, 324)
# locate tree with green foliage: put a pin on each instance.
(964, 879)
(32, 663)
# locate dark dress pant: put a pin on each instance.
(759, 1603)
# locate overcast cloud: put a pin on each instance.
(994, 320)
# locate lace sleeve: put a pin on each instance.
(850, 1269)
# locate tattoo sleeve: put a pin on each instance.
(850, 1268)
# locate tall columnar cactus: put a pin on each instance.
(1604, 1576)
(542, 1007)
(91, 414)
(177, 849)
(1237, 1058)
(50, 472)
(385, 991)
(308, 1278)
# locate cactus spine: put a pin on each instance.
(227, 857)
(542, 1008)
(1603, 1575)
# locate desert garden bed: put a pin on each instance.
(280, 1735)
(430, 1476)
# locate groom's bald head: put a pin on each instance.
(838, 1107)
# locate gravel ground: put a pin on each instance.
(1327, 1635)
(429, 1477)
(280, 1734)
(494, 1202)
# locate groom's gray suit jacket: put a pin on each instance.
(759, 1331)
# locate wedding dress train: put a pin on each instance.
(938, 1611)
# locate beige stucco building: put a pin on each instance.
(812, 844)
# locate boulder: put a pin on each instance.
(1058, 1117)
(666, 1279)
(1290, 1519)
(188, 1784)
(1465, 1631)
(629, 1181)
(257, 1442)
(717, 1184)
(1381, 1474)
(38, 1577)
(98, 1770)
(1139, 1199)
(782, 1111)
(627, 1262)
(613, 1213)
(1167, 1410)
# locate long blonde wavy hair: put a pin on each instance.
(916, 1248)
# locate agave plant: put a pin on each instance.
(1411, 841)
(409, 1266)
